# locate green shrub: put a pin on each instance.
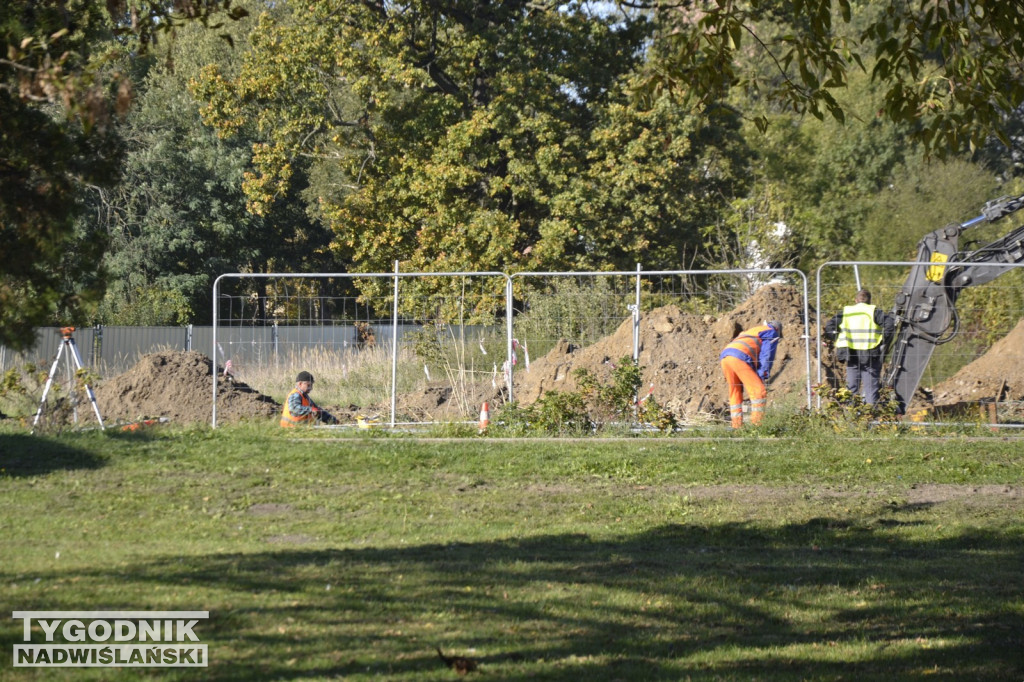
(846, 410)
(591, 408)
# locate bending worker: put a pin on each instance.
(747, 364)
(861, 332)
(299, 408)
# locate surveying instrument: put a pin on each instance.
(72, 363)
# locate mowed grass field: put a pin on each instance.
(323, 555)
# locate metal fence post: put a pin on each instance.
(394, 352)
(508, 331)
(276, 340)
(636, 319)
(97, 344)
(213, 354)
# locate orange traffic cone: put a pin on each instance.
(485, 417)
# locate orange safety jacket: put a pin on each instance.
(749, 347)
(289, 419)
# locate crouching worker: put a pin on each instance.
(747, 364)
(299, 408)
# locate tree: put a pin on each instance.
(923, 197)
(653, 181)
(439, 132)
(178, 217)
(44, 160)
(950, 69)
(460, 136)
(60, 96)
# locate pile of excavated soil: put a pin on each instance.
(179, 385)
(996, 375)
(680, 355)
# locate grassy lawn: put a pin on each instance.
(327, 556)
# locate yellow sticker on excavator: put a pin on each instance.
(936, 272)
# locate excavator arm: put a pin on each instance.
(925, 308)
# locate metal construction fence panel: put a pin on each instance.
(454, 328)
(120, 347)
(559, 312)
(428, 327)
(982, 316)
(432, 333)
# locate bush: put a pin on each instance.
(845, 410)
(589, 409)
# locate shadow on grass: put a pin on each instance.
(732, 601)
(26, 455)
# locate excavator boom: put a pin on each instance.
(925, 308)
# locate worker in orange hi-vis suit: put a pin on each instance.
(747, 364)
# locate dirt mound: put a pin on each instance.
(178, 385)
(679, 353)
(998, 374)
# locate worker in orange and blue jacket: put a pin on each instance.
(747, 364)
(299, 408)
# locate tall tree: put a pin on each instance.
(654, 180)
(178, 217)
(45, 158)
(438, 116)
(59, 99)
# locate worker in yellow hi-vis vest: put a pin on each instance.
(862, 333)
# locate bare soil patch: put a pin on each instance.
(179, 385)
(996, 375)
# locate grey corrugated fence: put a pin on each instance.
(111, 350)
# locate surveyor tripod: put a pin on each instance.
(72, 363)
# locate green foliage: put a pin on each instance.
(11, 384)
(754, 232)
(620, 400)
(178, 218)
(145, 306)
(657, 176)
(618, 397)
(949, 70)
(923, 196)
(512, 139)
(988, 312)
(651, 412)
(513, 419)
(21, 390)
(562, 413)
(426, 345)
(62, 89)
(44, 164)
(500, 154)
(846, 411)
(590, 409)
(556, 413)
